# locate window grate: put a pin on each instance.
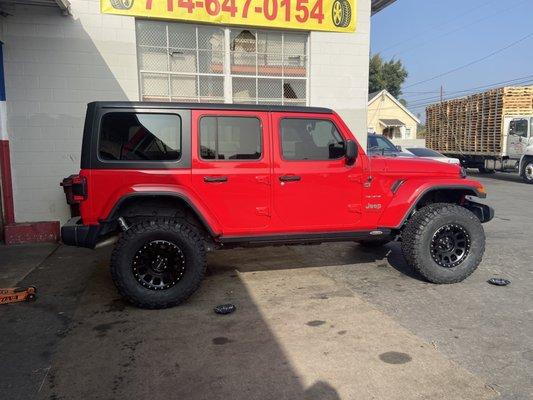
(189, 63)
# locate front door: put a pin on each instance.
(313, 187)
(517, 136)
(231, 167)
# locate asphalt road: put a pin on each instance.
(487, 329)
(313, 322)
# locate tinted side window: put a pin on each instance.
(140, 137)
(230, 138)
(310, 139)
(518, 127)
(379, 144)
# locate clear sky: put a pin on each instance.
(432, 37)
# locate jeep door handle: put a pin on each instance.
(290, 178)
(215, 179)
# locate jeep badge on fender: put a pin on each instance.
(168, 182)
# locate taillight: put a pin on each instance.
(75, 188)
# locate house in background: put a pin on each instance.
(387, 116)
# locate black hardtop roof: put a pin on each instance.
(209, 106)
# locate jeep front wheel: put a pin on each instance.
(158, 264)
(443, 242)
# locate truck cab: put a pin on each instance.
(168, 182)
(519, 144)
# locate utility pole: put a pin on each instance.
(441, 93)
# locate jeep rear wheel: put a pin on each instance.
(443, 242)
(158, 264)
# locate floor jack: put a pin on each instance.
(14, 295)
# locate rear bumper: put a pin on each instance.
(74, 233)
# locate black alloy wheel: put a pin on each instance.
(450, 245)
(158, 265)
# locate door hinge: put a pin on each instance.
(365, 180)
(355, 208)
(263, 211)
(263, 179)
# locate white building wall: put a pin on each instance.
(55, 65)
(339, 72)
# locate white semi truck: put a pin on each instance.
(491, 131)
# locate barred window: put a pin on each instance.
(197, 63)
(268, 67)
(180, 62)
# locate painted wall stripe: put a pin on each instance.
(3, 121)
(5, 155)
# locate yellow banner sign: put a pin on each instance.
(310, 15)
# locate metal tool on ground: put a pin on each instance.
(225, 308)
(17, 294)
(499, 281)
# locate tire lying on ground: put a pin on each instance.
(443, 242)
(158, 264)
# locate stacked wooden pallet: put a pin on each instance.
(474, 124)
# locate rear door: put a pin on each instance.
(231, 167)
(314, 189)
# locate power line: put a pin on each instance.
(468, 25)
(432, 28)
(426, 104)
(452, 95)
(420, 103)
(472, 62)
(494, 84)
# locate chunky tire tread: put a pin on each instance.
(418, 255)
(121, 262)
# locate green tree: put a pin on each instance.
(389, 75)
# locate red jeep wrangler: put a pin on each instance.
(173, 181)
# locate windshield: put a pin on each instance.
(380, 144)
(423, 152)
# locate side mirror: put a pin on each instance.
(351, 152)
(398, 147)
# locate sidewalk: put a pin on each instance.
(18, 261)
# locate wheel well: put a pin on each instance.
(439, 195)
(523, 163)
(136, 208)
(454, 196)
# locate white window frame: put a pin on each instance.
(227, 75)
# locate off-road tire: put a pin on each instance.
(189, 241)
(527, 177)
(420, 230)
